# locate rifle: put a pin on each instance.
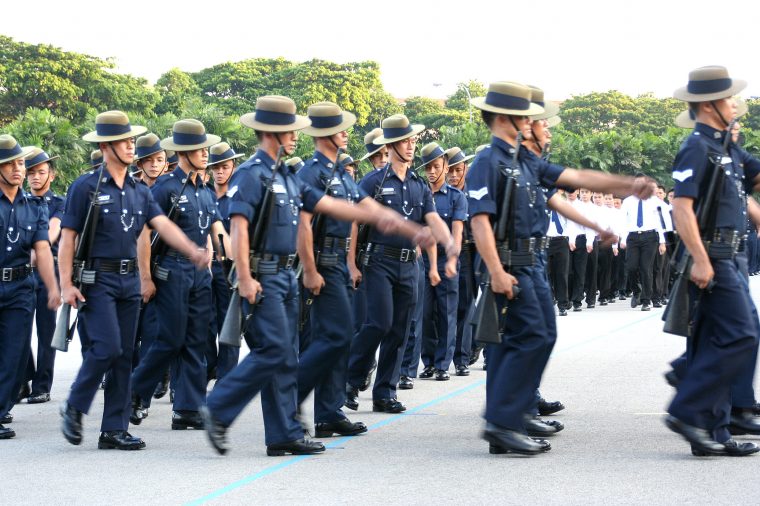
(232, 329)
(158, 248)
(677, 313)
(546, 151)
(83, 273)
(486, 317)
(362, 236)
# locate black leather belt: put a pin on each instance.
(173, 253)
(339, 243)
(15, 273)
(271, 264)
(725, 244)
(400, 254)
(523, 255)
(639, 232)
(121, 266)
(558, 238)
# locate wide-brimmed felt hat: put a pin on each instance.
(456, 156)
(430, 152)
(37, 156)
(275, 113)
(709, 83)
(96, 158)
(537, 97)
(189, 135)
(295, 163)
(171, 157)
(11, 150)
(686, 119)
(221, 153)
(397, 128)
(113, 126)
(481, 148)
(327, 119)
(506, 97)
(345, 159)
(369, 143)
(146, 146)
(553, 121)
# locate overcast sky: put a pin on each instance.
(566, 47)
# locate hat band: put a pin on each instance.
(458, 158)
(111, 129)
(173, 159)
(392, 133)
(437, 152)
(185, 139)
(372, 147)
(148, 150)
(709, 86)
(326, 121)
(42, 157)
(96, 161)
(274, 117)
(224, 156)
(503, 101)
(539, 102)
(9, 153)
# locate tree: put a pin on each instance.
(460, 101)
(176, 89)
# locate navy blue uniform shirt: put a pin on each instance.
(196, 207)
(451, 204)
(55, 205)
(246, 192)
(123, 212)
(23, 222)
(694, 163)
(316, 173)
(411, 198)
(485, 183)
(223, 210)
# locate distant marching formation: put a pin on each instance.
(167, 246)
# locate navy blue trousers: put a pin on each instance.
(224, 359)
(467, 291)
(439, 316)
(183, 308)
(515, 366)
(16, 310)
(272, 365)
(42, 375)
(323, 364)
(410, 361)
(545, 299)
(720, 353)
(110, 317)
(390, 294)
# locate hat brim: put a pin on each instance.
(371, 153)
(137, 159)
(532, 110)
(238, 155)
(134, 131)
(349, 120)
(464, 160)
(416, 129)
(683, 94)
(683, 120)
(168, 143)
(249, 120)
(550, 109)
(24, 153)
(553, 121)
(56, 157)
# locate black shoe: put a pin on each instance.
(743, 422)
(6, 433)
(485, 366)
(733, 449)
(590, 306)
(549, 408)
(645, 307)
(388, 406)
(38, 398)
(634, 301)
(119, 440)
(183, 420)
(563, 312)
(139, 412)
(344, 427)
(475, 356)
(216, 432)
(297, 447)
(498, 450)
(427, 372)
(368, 379)
(8, 418)
(352, 398)
(536, 427)
(656, 303)
(577, 309)
(171, 395)
(511, 441)
(700, 439)
(463, 370)
(672, 378)
(621, 297)
(611, 300)
(405, 383)
(162, 387)
(441, 375)
(72, 424)
(602, 302)
(756, 409)
(24, 392)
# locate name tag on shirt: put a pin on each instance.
(104, 199)
(183, 199)
(336, 180)
(389, 191)
(278, 188)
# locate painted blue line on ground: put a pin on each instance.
(375, 426)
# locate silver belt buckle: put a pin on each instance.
(124, 267)
(7, 274)
(406, 254)
(290, 262)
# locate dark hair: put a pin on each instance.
(694, 108)
(640, 174)
(488, 117)
(259, 135)
(660, 187)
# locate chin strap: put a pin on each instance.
(393, 147)
(110, 145)
(717, 111)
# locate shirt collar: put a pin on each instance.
(710, 132)
(263, 158)
(503, 146)
(443, 189)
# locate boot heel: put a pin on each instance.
(496, 450)
(275, 453)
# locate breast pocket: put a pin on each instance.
(22, 234)
(285, 209)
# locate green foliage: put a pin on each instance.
(176, 89)
(460, 101)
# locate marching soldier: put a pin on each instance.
(377, 154)
(109, 305)
(150, 159)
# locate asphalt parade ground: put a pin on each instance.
(607, 369)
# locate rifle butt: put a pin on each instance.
(486, 318)
(231, 329)
(60, 340)
(677, 312)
